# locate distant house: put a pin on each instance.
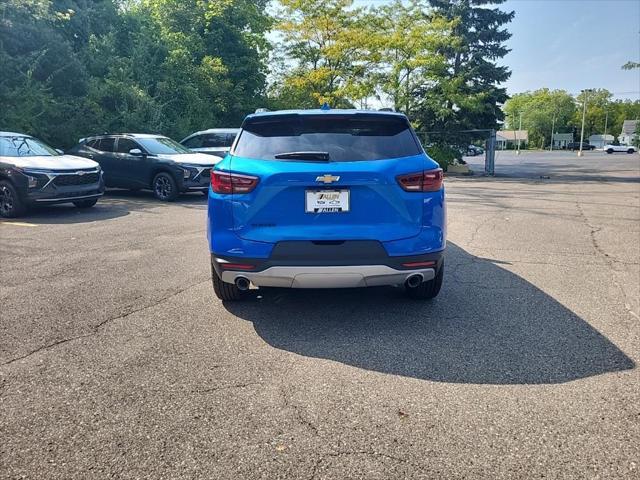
(600, 141)
(629, 132)
(510, 138)
(560, 140)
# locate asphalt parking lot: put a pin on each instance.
(117, 361)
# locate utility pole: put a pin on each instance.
(584, 112)
(553, 126)
(517, 136)
(490, 158)
(606, 120)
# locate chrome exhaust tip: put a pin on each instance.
(414, 280)
(242, 283)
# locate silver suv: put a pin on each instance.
(215, 141)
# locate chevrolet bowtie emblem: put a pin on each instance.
(327, 178)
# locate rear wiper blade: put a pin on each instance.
(322, 156)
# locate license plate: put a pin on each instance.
(327, 201)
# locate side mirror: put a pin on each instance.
(135, 151)
(59, 151)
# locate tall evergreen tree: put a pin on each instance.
(469, 94)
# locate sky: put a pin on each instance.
(571, 45)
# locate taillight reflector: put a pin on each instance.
(426, 181)
(225, 182)
(418, 264)
(237, 266)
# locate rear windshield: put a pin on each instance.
(341, 139)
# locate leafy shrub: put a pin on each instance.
(445, 155)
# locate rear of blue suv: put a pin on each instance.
(327, 199)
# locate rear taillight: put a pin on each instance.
(426, 181)
(225, 182)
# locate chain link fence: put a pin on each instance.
(448, 147)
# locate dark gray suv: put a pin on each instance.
(145, 161)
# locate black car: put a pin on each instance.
(576, 146)
(142, 161)
(33, 173)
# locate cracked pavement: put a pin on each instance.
(117, 361)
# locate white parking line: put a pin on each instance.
(18, 224)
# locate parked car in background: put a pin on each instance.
(473, 150)
(33, 173)
(620, 148)
(327, 199)
(142, 161)
(576, 146)
(215, 141)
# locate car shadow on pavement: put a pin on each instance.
(113, 204)
(487, 326)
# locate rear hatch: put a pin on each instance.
(327, 176)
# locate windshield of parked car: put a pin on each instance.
(25, 147)
(338, 138)
(162, 146)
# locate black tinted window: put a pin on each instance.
(106, 144)
(231, 138)
(126, 144)
(216, 140)
(93, 143)
(193, 142)
(344, 138)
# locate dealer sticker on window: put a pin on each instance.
(327, 201)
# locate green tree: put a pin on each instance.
(209, 60)
(468, 95)
(43, 79)
(76, 67)
(598, 108)
(321, 39)
(406, 42)
(541, 111)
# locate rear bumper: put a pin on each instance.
(351, 276)
(327, 267)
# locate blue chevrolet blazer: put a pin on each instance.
(326, 199)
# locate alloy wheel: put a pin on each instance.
(6, 200)
(163, 187)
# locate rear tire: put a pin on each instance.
(227, 292)
(165, 187)
(90, 202)
(631, 150)
(11, 205)
(610, 151)
(427, 290)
